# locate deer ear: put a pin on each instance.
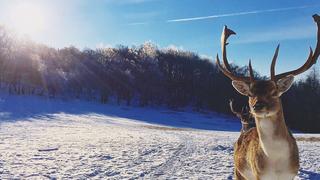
(242, 87)
(284, 84)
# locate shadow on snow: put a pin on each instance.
(17, 108)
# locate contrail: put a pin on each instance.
(239, 13)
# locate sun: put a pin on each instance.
(28, 18)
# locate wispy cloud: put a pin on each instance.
(223, 15)
(291, 32)
(239, 13)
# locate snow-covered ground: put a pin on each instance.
(48, 139)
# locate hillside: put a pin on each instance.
(46, 138)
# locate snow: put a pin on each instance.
(46, 138)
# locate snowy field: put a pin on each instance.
(54, 139)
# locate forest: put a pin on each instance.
(142, 75)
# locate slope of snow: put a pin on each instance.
(41, 139)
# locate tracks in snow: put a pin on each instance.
(106, 148)
(173, 163)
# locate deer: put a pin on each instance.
(268, 151)
(244, 115)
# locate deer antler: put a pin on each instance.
(232, 108)
(224, 37)
(251, 71)
(312, 58)
(226, 33)
(273, 63)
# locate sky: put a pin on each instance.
(184, 24)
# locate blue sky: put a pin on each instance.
(187, 24)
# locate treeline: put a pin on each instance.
(301, 103)
(144, 75)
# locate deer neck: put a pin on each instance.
(273, 133)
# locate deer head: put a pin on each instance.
(264, 95)
(244, 115)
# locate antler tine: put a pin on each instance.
(312, 58)
(226, 33)
(274, 59)
(251, 71)
(300, 70)
(243, 110)
(231, 104)
(230, 74)
(226, 70)
(246, 109)
(232, 108)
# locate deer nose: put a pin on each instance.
(258, 106)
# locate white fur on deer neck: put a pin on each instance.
(268, 151)
(274, 145)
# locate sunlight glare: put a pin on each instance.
(28, 18)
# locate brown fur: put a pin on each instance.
(247, 150)
(270, 148)
(249, 153)
(244, 115)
